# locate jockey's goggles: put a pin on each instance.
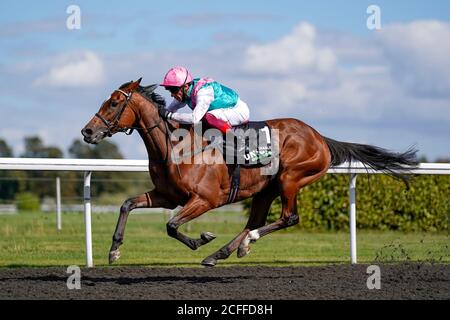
(173, 90)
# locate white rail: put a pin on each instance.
(73, 164)
(90, 165)
(142, 166)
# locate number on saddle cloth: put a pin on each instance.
(251, 145)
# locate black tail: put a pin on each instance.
(376, 158)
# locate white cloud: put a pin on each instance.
(291, 92)
(328, 75)
(370, 70)
(345, 86)
(295, 52)
(418, 54)
(350, 49)
(74, 70)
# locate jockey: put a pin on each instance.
(210, 101)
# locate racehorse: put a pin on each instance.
(304, 157)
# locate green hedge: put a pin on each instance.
(382, 203)
(27, 201)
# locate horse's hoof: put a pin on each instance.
(243, 251)
(244, 247)
(209, 262)
(207, 236)
(114, 255)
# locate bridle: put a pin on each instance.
(112, 125)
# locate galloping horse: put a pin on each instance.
(304, 157)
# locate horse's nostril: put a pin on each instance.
(88, 132)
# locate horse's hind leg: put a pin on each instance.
(145, 200)
(290, 185)
(195, 207)
(258, 215)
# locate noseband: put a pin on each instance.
(111, 125)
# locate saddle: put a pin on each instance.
(249, 145)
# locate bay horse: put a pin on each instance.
(304, 157)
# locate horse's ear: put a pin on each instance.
(134, 85)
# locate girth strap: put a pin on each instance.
(235, 183)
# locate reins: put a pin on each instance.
(112, 125)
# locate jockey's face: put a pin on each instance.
(178, 93)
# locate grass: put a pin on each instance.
(31, 239)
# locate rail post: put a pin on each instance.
(87, 218)
(58, 204)
(352, 213)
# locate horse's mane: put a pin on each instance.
(148, 92)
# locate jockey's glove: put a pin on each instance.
(164, 113)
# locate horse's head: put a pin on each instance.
(115, 115)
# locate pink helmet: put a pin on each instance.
(176, 77)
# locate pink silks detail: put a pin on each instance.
(197, 87)
(217, 123)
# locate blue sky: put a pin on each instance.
(263, 20)
(314, 60)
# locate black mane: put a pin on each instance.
(148, 92)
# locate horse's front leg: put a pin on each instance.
(151, 199)
(195, 207)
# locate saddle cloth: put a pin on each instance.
(250, 146)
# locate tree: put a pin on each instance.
(34, 148)
(53, 152)
(422, 158)
(103, 150)
(107, 181)
(107, 150)
(5, 149)
(40, 183)
(80, 150)
(8, 184)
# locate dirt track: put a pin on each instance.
(398, 281)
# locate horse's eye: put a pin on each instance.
(113, 104)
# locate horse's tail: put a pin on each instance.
(376, 158)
